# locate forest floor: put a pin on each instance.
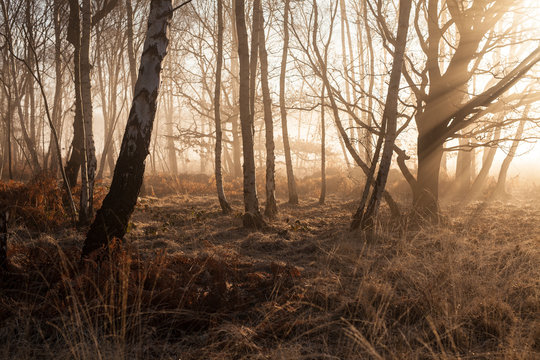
(191, 283)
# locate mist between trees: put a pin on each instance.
(429, 89)
(271, 138)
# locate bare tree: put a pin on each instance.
(83, 155)
(443, 109)
(363, 217)
(112, 218)
(271, 205)
(291, 183)
(252, 217)
(321, 68)
(225, 207)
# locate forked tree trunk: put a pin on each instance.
(321, 72)
(112, 219)
(83, 149)
(291, 183)
(271, 205)
(252, 217)
(389, 118)
(225, 207)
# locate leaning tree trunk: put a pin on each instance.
(389, 118)
(112, 219)
(252, 216)
(322, 73)
(291, 183)
(225, 207)
(271, 206)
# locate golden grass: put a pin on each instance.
(190, 283)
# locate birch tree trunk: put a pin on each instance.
(225, 207)
(321, 71)
(253, 59)
(271, 206)
(291, 183)
(73, 35)
(112, 219)
(86, 212)
(252, 217)
(236, 147)
(78, 158)
(390, 118)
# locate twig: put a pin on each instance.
(177, 7)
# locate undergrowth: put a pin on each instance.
(108, 309)
(40, 204)
(190, 283)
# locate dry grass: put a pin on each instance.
(190, 283)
